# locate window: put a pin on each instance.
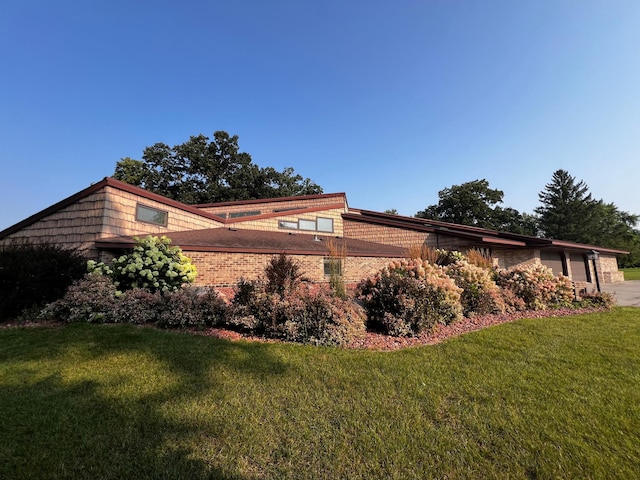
(325, 224)
(285, 224)
(306, 224)
(151, 215)
(244, 214)
(318, 225)
(332, 266)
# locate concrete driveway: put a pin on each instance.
(626, 293)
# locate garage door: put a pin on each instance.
(553, 260)
(579, 268)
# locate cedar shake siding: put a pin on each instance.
(229, 240)
(104, 210)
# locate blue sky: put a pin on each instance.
(388, 101)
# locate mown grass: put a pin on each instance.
(631, 273)
(543, 398)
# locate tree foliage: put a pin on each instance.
(567, 207)
(475, 204)
(569, 212)
(205, 171)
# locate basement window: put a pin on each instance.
(152, 215)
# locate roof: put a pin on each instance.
(482, 236)
(273, 200)
(254, 241)
(193, 209)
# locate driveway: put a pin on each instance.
(626, 293)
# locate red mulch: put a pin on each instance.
(377, 341)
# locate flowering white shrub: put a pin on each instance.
(153, 265)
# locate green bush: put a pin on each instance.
(153, 265)
(409, 297)
(33, 275)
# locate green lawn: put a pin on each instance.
(543, 398)
(631, 273)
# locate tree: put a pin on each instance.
(206, 171)
(568, 212)
(567, 209)
(475, 204)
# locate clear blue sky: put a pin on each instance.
(388, 101)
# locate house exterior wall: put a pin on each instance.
(120, 216)
(225, 269)
(108, 212)
(399, 237)
(608, 269)
(507, 258)
(76, 226)
(273, 206)
(272, 224)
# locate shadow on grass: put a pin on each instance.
(54, 427)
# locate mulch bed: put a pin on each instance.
(377, 341)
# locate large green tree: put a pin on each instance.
(476, 204)
(203, 171)
(568, 212)
(567, 209)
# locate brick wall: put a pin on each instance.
(608, 269)
(225, 269)
(511, 258)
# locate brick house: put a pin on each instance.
(230, 240)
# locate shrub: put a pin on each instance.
(300, 314)
(282, 274)
(153, 265)
(92, 299)
(409, 297)
(480, 294)
(536, 285)
(597, 300)
(321, 318)
(137, 306)
(33, 275)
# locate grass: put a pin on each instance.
(542, 398)
(631, 273)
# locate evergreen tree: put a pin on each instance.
(567, 211)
